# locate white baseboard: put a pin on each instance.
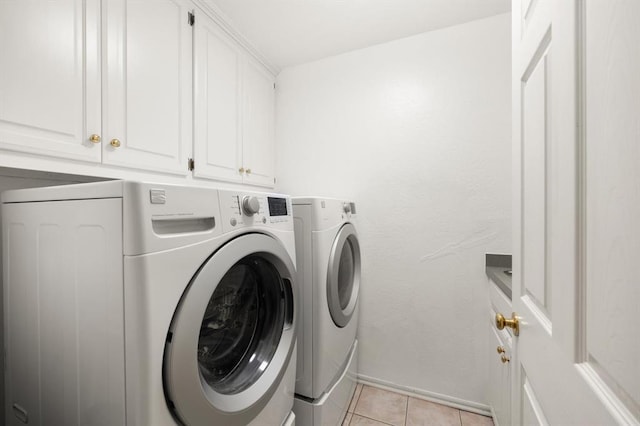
(450, 401)
(493, 416)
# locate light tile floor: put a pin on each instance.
(377, 407)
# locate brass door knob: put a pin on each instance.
(248, 171)
(241, 170)
(95, 138)
(115, 143)
(500, 349)
(504, 359)
(513, 323)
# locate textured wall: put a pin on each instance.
(417, 131)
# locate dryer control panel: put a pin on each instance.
(242, 209)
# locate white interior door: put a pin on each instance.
(576, 204)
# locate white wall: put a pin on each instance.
(417, 131)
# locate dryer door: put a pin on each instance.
(343, 276)
(233, 334)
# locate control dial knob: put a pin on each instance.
(346, 207)
(250, 205)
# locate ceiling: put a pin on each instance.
(291, 32)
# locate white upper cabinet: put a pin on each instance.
(50, 77)
(135, 84)
(147, 117)
(217, 140)
(258, 138)
(234, 110)
(56, 65)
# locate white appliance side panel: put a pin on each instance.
(305, 312)
(64, 312)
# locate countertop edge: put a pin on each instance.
(496, 264)
(502, 280)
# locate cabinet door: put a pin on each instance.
(500, 378)
(258, 138)
(499, 371)
(50, 77)
(495, 376)
(217, 145)
(504, 418)
(148, 84)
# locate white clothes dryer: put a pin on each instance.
(328, 275)
(148, 304)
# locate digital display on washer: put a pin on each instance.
(277, 206)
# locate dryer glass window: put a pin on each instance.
(345, 274)
(242, 325)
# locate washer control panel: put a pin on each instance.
(250, 205)
(348, 210)
(241, 209)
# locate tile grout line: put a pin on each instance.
(460, 416)
(406, 412)
(371, 418)
(357, 397)
(353, 401)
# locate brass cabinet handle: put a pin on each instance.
(115, 143)
(500, 349)
(248, 171)
(241, 170)
(513, 323)
(504, 359)
(95, 138)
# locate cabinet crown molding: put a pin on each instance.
(226, 24)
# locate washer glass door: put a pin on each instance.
(242, 325)
(343, 275)
(232, 335)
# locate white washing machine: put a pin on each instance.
(328, 275)
(141, 304)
